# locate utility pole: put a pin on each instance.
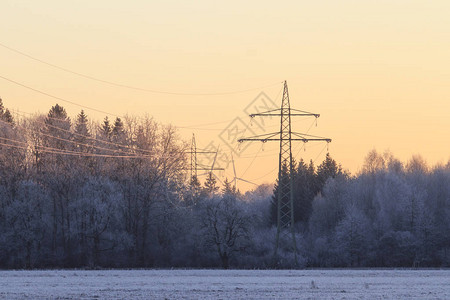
(285, 195)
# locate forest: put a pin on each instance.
(116, 194)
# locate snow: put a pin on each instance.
(225, 284)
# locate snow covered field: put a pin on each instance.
(221, 284)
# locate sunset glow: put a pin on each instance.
(378, 72)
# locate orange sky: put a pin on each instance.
(378, 72)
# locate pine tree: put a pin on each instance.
(5, 114)
(195, 183)
(304, 190)
(7, 117)
(194, 191)
(57, 125)
(105, 129)
(211, 185)
(81, 124)
(285, 177)
(118, 132)
(328, 168)
(81, 128)
(117, 127)
(228, 188)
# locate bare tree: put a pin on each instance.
(226, 227)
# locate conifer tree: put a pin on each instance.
(285, 177)
(81, 125)
(328, 168)
(228, 188)
(105, 129)
(211, 184)
(57, 129)
(117, 127)
(81, 128)
(195, 183)
(304, 190)
(5, 114)
(118, 131)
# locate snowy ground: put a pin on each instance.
(232, 284)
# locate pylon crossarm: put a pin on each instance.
(311, 137)
(305, 112)
(277, 115)
(270, 113)
(261, 137)
(264, 113)
(305, 140)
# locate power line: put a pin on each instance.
(129, 86)
(66, 152)
(91, 108)
(94, 139)
(78, 143)
(84, 136)
(57, 98)
(253, 160)
(323, 149)
(63, 151)
(60, 151)
(265, 174)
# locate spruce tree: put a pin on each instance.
(285, 177)
(228, 188)
(118, 132)
(304, 191)
(81, 125)
(82, 132)
(5, 114)
(118, 127)
(105, 129)
(328, 168)
(57, 125)
(211, 185)
(195, 183)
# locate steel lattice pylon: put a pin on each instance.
(193, 159)
(285, 195)
(195, 166)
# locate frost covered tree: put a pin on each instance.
(226, 227)
(210, 185)
(99, 208)
(105, 129)
(5, 114)
(96, 220)
(352, 237)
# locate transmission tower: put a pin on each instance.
(285, 195)
(193, 159)
(194, 165)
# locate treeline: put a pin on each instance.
(76, 194)
(390, 215)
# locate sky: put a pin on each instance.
(378, 72)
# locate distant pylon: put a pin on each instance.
(193, 159)
(194, 164)
(285, 195)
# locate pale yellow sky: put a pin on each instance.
(378, 72)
